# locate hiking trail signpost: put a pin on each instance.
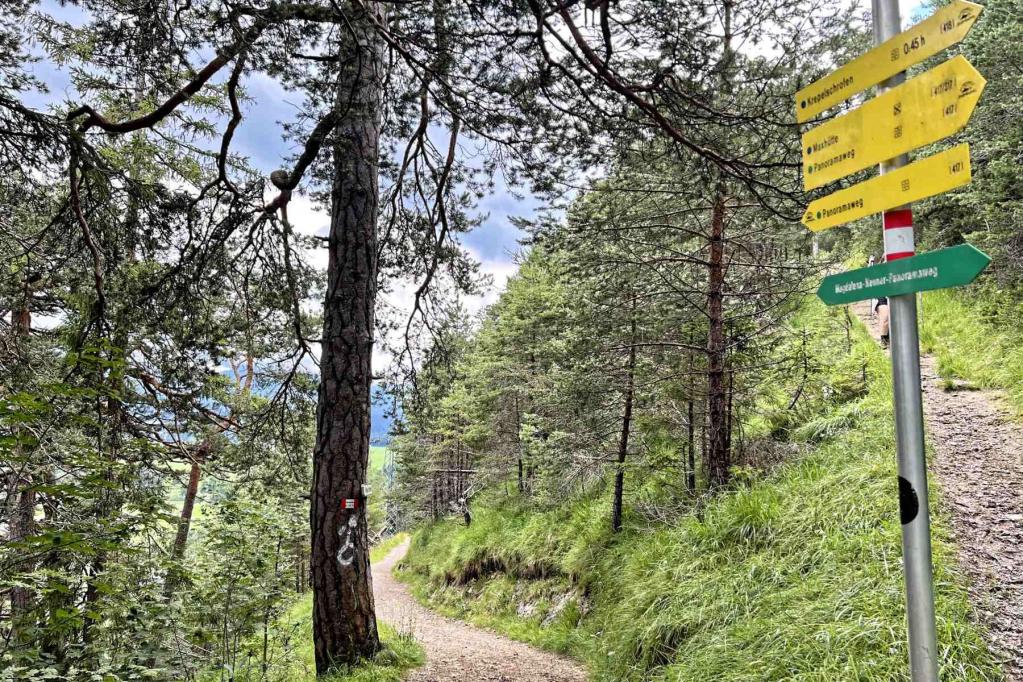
(903, 116)
(941, 30)
(921, 179)
(941, 269)
(928, 108)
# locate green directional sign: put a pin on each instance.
(941, 269)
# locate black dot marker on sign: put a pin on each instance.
(809, 150)
(909, 503)
(802, 105)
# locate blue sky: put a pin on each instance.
(260, 138)
(494, 243)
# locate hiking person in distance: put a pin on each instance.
(881, 310)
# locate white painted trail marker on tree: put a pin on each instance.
(903, 117)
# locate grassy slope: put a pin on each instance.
(400, 652)
(796, 576)
(968, 346)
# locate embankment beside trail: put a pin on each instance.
(794, 574)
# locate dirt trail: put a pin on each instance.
(978, 462)
(459, 652)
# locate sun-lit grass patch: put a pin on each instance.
(377, 457)
(291, 657)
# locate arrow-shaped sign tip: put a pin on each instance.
(981, 256)
(973, 83)
(967, 12)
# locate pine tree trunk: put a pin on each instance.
(433, 497)
(52, 642)
(522, 485)
(729, 413)
(718, 456)
(691, 432)
(174, 575)
(23, 527)
(691, 468)
(449, 480)
(185, 522)
(344, 620)
(108, 503)
(518, 443)
(623, 442)
(21, 497)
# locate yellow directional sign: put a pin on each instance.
(919, 180)
(944, 28)
(923, 110)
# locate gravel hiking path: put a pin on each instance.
(456, 651)
(978, 461)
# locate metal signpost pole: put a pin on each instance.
(905, 345)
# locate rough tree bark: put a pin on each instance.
(718, 455)
(344, 621)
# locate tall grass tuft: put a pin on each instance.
(974, 343)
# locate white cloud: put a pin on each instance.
(309, 218)
(312, 219)
(501, 270)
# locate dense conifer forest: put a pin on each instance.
(433, 340)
